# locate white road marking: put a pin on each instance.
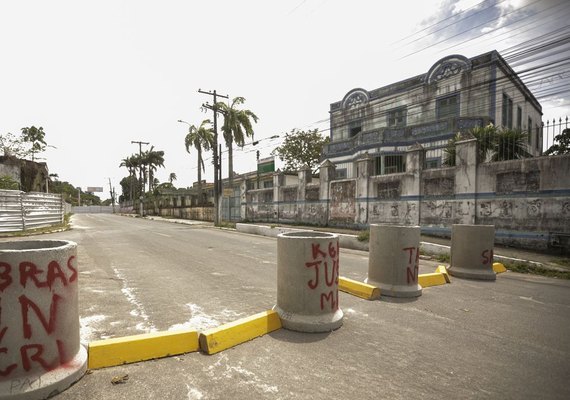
(162, 234)
(138, 311)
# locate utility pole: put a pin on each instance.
(140, 176)
(217, 162)
(112, 193)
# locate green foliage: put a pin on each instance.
(364, 236)
(13, 146)
(494, 144)
(561, 145)
(35, 136)
(201, 138)
(6, 182)
(237, 126)
(301, 148)
(527, 268)
(69, 193)
(237, 123)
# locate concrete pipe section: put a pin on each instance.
(307, 281)
(40, 353)
(394, 260)
(472, 252)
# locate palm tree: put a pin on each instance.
(153, 159)
(201, 138)
(131, 165)
(237, 126)
(494, 144)
(171, 177)
(510, 144)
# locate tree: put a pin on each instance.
(301, 148)
(35, 136)
(131, 164)
(237, 126)
(201, 138)
(153, 159)
(493, 144)
(563, 145)
(171, 177)
(13, 146)
(7, 182)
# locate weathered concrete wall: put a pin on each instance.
(528, 200)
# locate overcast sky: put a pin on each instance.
(97, 75)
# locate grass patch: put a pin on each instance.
(227, 224)
(444, 258)
(537, 270)
(562, 262)
(364, 236)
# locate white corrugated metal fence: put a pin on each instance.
(20, 211)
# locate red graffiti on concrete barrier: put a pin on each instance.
(487, 257)
(327, 263)
(413, 264)
(39, 338)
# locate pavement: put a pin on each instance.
(506, 339)
(547, 260)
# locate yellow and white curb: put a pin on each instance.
(499, 268)
(229, 335)
(131, 349)
(437, 278)
(359, 289)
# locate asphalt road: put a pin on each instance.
(508, 339)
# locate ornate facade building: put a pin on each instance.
(456, 94)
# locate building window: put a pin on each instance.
(529, 130)
(354, 128)
(397, 117)
(538, 141)
(394, 164)
(448, 107)
(519, 118)
(341, 173)
(432, 163)
(507, 112)
(267, 184)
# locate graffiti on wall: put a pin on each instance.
(388, 190)
(342, 206)
(325, 265)
(439, 186)
(39, 322)
(517, 181)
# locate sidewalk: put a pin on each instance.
(550, 261)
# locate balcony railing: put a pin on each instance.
(411, 134)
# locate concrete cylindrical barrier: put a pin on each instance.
(40, 353)
(394, 260)
(307, 281)
(472, 252)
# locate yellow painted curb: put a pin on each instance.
(229, 335)
(499, 268)
(359, 289)
(442, 270)
(433, 279)
(129, 349)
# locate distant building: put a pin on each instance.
(31, 176)
(456, 94)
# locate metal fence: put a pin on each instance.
(94, 209)
(20, 211)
